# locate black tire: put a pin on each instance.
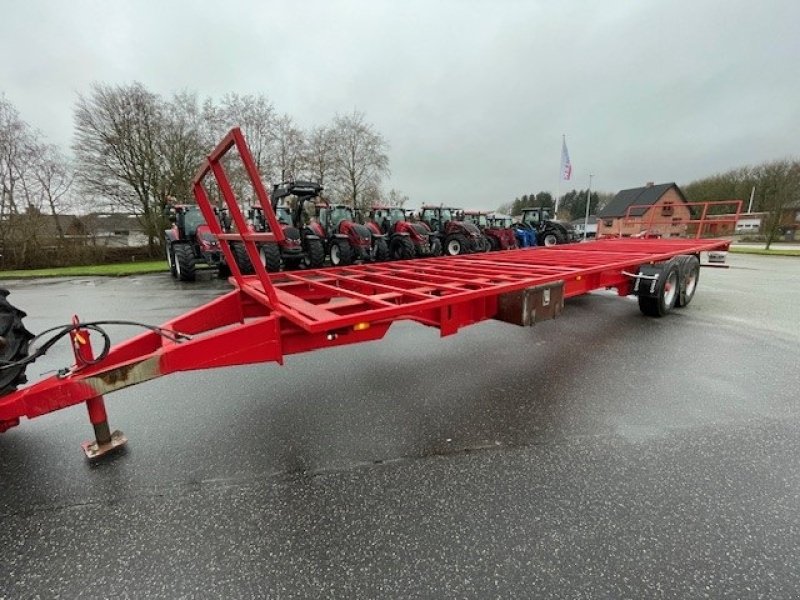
(494, 243)
(315, 254)
(171, 259)
(402, 248)
(242, 258)
(487, 245)
(270, 257)
(381, 251)
(184, 262)
(223, 270)
(14, 340)
(292, 264)
(455, 244)
(551, 238)
(666, 292)
(436, 246)
(341, 253)
(690, 277)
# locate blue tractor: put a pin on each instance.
(526, 237)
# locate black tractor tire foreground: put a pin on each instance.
(184, 262)
(14, 339)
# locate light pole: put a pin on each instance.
(588, 202)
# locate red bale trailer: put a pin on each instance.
(268, 316)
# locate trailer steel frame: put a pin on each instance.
(268, 316)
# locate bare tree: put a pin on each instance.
(395, 198)
(318, 156)
(118, 138)
(360, 160)
(289, 148)
(54, 179)
(778, 189)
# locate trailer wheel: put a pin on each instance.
(14, 339)
(381, 251)
(402, 248)
(171, 258)
(341, 253)
(690, 276)
(270, 257)
(184, 262)
(455, 244)
(315, 254)
(666, 292)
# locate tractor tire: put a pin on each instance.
(487, 245)
(550, 238)
(494, 244)
(315, 254)
(455, 244)
(270, 257)
(341, 253)
(402, 248)
(171, 259)
(242, 258)
(223, 270)
(14, 340)
(666, 292)
(689, 278)
(381, 251)
(184, 262)
(436, 247)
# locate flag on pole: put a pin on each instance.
(566, 165)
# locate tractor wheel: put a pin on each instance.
(223, 270)
(381, 251)
(14, 339)
(436, 247)
(171, 259)
(689, 277)
(292, 264)
(184, 262)
(494, 244)
(341, 253)
(242, 258)
(666, 292)
(549, 238)
(270, 257)
(402, 248)
(455, 244)
(487, 245)
(315, 254)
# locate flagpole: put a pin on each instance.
(560, 176)
(588, 203)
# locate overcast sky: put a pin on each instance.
(473, 97)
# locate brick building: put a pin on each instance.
(660, 209)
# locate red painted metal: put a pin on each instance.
(268, 316)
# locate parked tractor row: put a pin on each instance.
(315, 230)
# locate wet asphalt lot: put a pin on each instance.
(602, 455)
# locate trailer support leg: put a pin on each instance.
(104, 441)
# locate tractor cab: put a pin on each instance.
(386, 218)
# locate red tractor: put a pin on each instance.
(189, 240)
(347, 241)
(499, 237)
(457, 236)
(301, 244)
(406, 239)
